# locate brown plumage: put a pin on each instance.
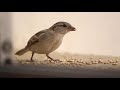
(48, 40)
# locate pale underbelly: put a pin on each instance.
(45, 48)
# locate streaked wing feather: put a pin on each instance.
(35, 38)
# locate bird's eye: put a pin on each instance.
(64, 25)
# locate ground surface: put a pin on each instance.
(72, 60)
(68, 65)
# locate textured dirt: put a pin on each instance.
(72, 60)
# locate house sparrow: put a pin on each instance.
(48, 40)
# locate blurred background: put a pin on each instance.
(96, 32)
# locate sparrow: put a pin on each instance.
(48, 40)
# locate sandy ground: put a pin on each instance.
(65, 65)
(72, 60)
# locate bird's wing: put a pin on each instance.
(35, 38)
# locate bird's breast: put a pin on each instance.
(57, 43)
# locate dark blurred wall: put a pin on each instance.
(5, 36)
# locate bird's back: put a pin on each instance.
(44, 42)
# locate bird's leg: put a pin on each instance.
(50, 57)
(32, 57)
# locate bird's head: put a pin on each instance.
(62, 27)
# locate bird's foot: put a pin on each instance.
(31, 60)
(27, 61)
(55, 60)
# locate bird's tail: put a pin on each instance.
(21, 52)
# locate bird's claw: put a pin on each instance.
(56, 60)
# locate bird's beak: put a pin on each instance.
(72, 29)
